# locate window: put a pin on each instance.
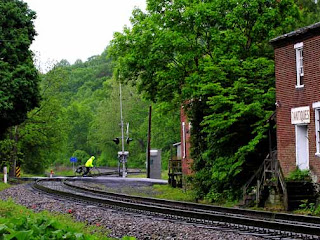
(299, 64)
(316, 107)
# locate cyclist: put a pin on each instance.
(88, 165)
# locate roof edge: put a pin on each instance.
(297, 33)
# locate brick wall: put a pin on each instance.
(185, 144)
(288, 96)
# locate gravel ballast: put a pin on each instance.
(118, 223)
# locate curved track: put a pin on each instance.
(265, 224)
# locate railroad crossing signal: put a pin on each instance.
(123, 156)
(117, 140)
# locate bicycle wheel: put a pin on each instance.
(79, 171)
(94, 172)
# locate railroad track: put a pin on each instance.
(259, 223)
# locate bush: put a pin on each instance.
(3, 185)
(81, 155)
(108, 159)
(17, 222)
(299, 175)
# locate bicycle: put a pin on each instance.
(93, 172)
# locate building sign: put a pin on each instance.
(300, 115)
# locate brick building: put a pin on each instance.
(297, 71)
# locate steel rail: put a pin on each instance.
(312, 231)
(100, 173)
(264, 215)
(109, 173)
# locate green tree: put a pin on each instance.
(81, 156)
(215, 58)
(18, 77)
(310, 12)
(80, 91)
(165, 130)
(39, 140)
(42, 137)
(106, 126)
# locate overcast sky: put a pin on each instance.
(78, 29)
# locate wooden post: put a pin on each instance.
(270, 141)
(149, 143)
(258, 193)
(5, 175)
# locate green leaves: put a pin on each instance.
(25, 228)
(17, 222)
(18, 77)
(215, 58)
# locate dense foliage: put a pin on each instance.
(309, 11)
(214, 57)
(18, 76)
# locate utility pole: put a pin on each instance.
(149, 143)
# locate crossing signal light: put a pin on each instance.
(129, 140)
(116, 140)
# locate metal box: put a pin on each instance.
(155, 164)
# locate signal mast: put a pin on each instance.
(122, 155)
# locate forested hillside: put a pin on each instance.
(79, 115)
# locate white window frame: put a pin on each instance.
(299, 64)
(184, 140)
(316, 107)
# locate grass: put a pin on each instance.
(164, 175)
(61, 171)
(164, 191)
(158, 191)
(23, 174)
(4, 186)
(170, 193)
(140, 175)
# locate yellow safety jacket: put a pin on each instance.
(89, 163)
